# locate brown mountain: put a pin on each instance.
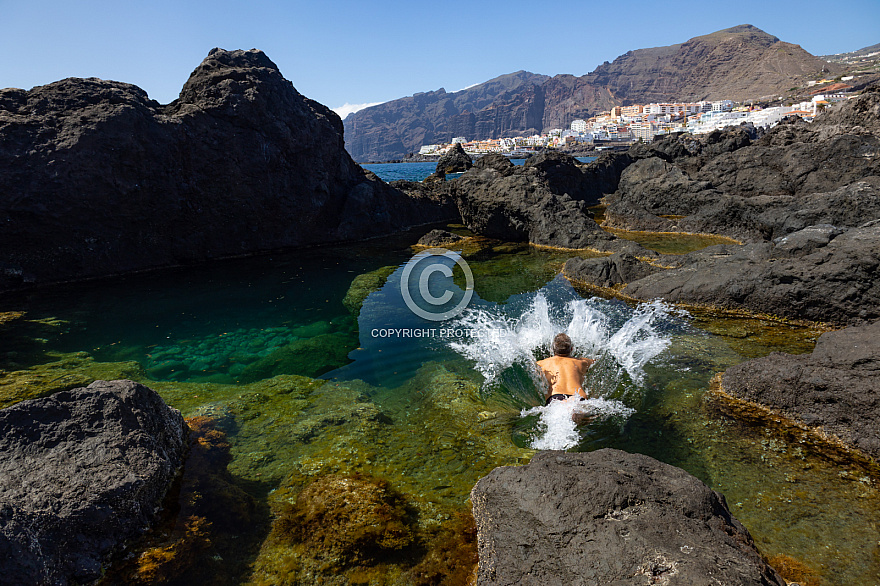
(738, 63)
(390, 130)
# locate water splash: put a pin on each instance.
(506, 340)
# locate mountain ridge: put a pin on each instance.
(738, 63)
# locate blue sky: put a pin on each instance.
(340, 52)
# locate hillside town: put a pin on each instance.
(624, 125)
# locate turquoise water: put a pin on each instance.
(419, 171)
(433, 412)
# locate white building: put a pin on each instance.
(429, 149)
(459, 140)
(579, 125)
(722, 106)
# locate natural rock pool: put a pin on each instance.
(407, 425)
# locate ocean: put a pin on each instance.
(419, 171)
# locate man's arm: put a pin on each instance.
(585, 365)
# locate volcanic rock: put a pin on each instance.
(82, 471)
(529, 203)
(98, 179)
(794, 176)
(455, 160)
(835, 389)
(821, 274)
(439, 238)
(617, 269)
(608, 517)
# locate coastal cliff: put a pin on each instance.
(737, 63)
(98, 179)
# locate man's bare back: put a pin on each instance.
(565, 375)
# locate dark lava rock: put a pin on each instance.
(98, 179)
(835, 389)
(529, 203)
(608, 517)
(754, 219)
(617, 269)
(81, 472)
(562, 175)
(455, 160)
(496, 161)
(820, 274)
(726, 184)
(439, 238)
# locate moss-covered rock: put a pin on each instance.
(64, 372)
(310, 357)
(363, 285)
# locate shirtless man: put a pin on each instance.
(564, 373)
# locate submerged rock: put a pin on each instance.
(310, 357)
(344, 520)
(363, 285)
(81, 472)
(108, 181)
(608, 517)
(836, 389)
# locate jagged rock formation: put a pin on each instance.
(608, 517)
(739, 63)
(795, 176)
(81, 472)
(543, 202)
(834, 389)
(98, 179)
(454, 161)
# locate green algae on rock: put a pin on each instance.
(339, 521)
(363, 285)
(310, 357)
(62, 373)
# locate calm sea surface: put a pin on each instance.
(418, 171)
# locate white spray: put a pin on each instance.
(621, 340)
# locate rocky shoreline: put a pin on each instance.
(106, 181)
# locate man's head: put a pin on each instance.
(562, 344)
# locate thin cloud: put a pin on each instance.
(468, 87)
(347, 108)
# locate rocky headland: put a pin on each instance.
(98, 179)
(81, 472)
(454, 161)
(608, 517)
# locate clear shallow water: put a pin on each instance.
(419, 171)
(433, 414)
